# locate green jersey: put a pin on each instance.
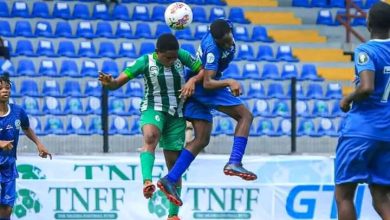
(163, 84)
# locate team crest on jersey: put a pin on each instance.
(179, 67)
(153, 70)
(17, 124)
(210, 58)
(363, 58)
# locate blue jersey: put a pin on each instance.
(10, 125)
(370, 118)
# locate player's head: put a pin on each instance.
(222, 33)
(5, 88)
(167, 49)
(379, 18)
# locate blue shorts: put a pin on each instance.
(362, 160)
(199, 106)
(8, 193)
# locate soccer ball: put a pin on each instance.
(178, 15)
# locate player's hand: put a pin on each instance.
(105, 78)
(43, 152)
(235, 87)
(345, 105)
(6, 145)
(188, 89)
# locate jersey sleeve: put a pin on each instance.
(24, 122)
(189, 61)
(136, 68)
(363, 60)
(211, 59)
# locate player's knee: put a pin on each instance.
(204, 141)
(151, 138)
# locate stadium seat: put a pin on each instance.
(66, 48)
(45, 48)
(119, 125)
(259, 33)
(241, 33)
(24, 48)
(118, 93)
(87, 49)
(261, 108)
(270, 71)
(302, 109)
(224, 126)
(107, 49)
(314, 91)
(326, 127)
(120, 12)
(370, 3)
(63, 29)
(281, 109)
(200, 31)
(309, 72)
(72, 88)
(324, 17)
(95, 126)
(299, 92)
(31, 105)
(336, 111)
(40, 9)
(61, 10)
(143, 30)
(26, 67)
(184, 34)
(124, 30)
(338, 3)
(76, 125)
(189, 47)
(127, 49)
(20, 9)
(36, 125)
(320, 109)
(23, 29)
(275, 90)
(342, 13)
(306, 128)
(195, 2)
(135, 106)
(216, 2)
(74, 106)
(4, 11)
(141, 13)
(81, 11)
(93, 88)
(104, 29)
(319, 3)
(334, 91)
(134, 89)
(52, 106)
(284, 127)
(6, 66)
(232, 71)
(48, 68)
(289, 71)
(94, 106)
(43, 29)
(89, 68)
(256, 90)
(301, 3)
(162, 29)
(51, 88)
(245, 52)
(146, 48)
(199, 14)
(110, 67)
(85, 30)
(54, 126)
(284, 53)
(251, 71)
(158, 13)
(359, 21)
(117, 106)
(135, 128)
(359, 3)
(265, 127)
(266, 53)
(237, 15)
(100, 11)
(216, 12)
(5, 29)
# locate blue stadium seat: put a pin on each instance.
(216, 12)
(45, 48)
(141, 12)
(158, 13)
(89, 68)
(52, 106)
(74, 106)
(319, 3)
(162, 29)
(135, 128)
(127, 49)
(146, 48)
(359, 21)
(306, 128)
(281, 109)
(314, 91)
(110, 67)
(326, 127)
(302, 109)
(245, 52)
(143, 30)
(43, 29)
(40, 9)
(107, 49)
(224, 126)
(61, 10)
(275, 90)
(118, 93)
(301, 3)
(370, 3)
(284, 53)
(289, 71)
(134, 89)
(26, 67)
(336, 111)
(95, 126)
(104, 29)
(76, 125)
(54, 126)
(299, 92)
(216, 2)
(4, 11)
(284, 127)
(123, 29)
(31, 105)
(200, 31)
(36, 125)
(66, 48)
(189, 47)
(251, 71)
(359, 3)
(309, 72)
(259, 33)
(20, 9)
(7, 66)
(237, 15)
(241, 33)
(94, 106)
(51, 88)
(232, 71)
(324, 17)
(87, 49)
(120, 12)
(338, 3)
(266, 53)
(100, 11)
(135, 106)
(5, 29)
(261, 108)
(334, 91)
(184, 34)
(24, 48)
(48, 68)
(81, 11)
(320, 109)
(63, 29)
(117, 106)
(195, 2)
(270, 71)
(199, 14)
(85, 30)
(119, 125)
(23, 28)
(256, 90)
(72, 88)
(265, 127)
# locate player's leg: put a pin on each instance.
(344, 194)
(244, 120)
(170, 158)
(152, 124)
(7, 201)
(381, 200)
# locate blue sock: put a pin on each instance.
(239, 145)
(181, 165)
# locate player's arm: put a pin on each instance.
(210, 83)
(195, 65)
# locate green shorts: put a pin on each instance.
(172, 129)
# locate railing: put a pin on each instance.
(345, 20)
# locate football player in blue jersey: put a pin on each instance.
(363, 150)
(216, 51)
(12, 119)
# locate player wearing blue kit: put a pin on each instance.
(12, 119)
(216, 52)
(363, 151)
